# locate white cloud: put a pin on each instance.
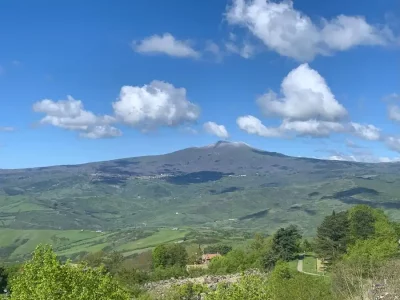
(363, 156)
(246, 50)
(71, 114)
(345, 32)
(291, 33)
(393, 143)
(154, 105)
(307, 107)
(388, 159)
(252, 125)
(6, 129)
(305, 95)
(165, 44)
(393, 109)
(314, 128)
(215, 129)
(367, 132)
(101, 131)
(394, 112)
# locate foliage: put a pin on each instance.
(252, 287)
(353, 281)
(186, 291)
(361, 222)
(380, 246)
(161, 273)
(221, 249)
(332, 236)
(168, 255)
(235, 261)
(4, 277)
(286, 243)
(286, 284)
(285, 246)
(282, 284)
(45, 278)
(306, 246)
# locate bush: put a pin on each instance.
(167, 273)
(44, 277)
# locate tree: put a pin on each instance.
(45, 278)
(285, 247)
(286, 243)
(3, 279)
(94, 259)
(306, 246)
(361, 222)
(332, 236)
(168, 255)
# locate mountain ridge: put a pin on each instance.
(207, 186)
(217, 145)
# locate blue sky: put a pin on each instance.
(90, 80)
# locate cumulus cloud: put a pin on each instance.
(71, 114)
(215, 129)
(6, 129)
(367, 132)
(101, 131)
(154, 105)
(291, 33)
(305, 95)
(252, 125)
(307, 107)
(165, 44)
(314, 128)
(393, 143)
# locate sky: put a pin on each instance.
(85, 81)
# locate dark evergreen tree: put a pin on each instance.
(332, 236)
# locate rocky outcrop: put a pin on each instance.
(211, 281)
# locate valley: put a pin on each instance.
(224, 186)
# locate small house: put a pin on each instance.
(206, 258)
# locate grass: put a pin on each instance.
(16, 244)
(310, 264)
(22, 242)
(293, 265)
(162, 236)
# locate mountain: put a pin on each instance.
(226, 184)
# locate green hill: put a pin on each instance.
(224, 185)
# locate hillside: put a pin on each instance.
(227, 184)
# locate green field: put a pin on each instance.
(310, 264)
(17, 244)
